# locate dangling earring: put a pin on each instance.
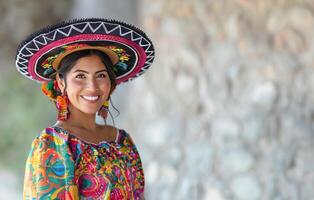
(62, 106)
(104, 109)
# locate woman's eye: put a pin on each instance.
(80, 76)
(101, 76)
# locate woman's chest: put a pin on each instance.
(107, 170)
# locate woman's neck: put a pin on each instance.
(79, 119)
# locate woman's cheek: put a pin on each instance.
(104, 84)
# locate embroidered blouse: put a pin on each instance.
(62, 166)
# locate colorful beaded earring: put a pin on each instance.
(62, 103)
(104, 109)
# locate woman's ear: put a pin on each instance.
(61, 83)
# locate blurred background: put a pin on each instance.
(226, 111)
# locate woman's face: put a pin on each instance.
(87, 84)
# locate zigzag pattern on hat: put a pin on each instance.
(30, 47)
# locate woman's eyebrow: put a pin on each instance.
(80, 70)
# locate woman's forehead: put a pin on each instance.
(90, 64)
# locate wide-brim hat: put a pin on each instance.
(130, 50)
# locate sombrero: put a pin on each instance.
(129, 49)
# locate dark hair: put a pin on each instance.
(69, 61)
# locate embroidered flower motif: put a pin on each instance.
(116, 194)
(47, 64)
(123, 57)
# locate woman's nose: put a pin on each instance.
(92, 84)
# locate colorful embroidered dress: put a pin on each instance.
(61, 166)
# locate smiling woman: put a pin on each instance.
(79, 64)
(87, 77)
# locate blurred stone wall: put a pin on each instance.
(19, 18)
(226, 111)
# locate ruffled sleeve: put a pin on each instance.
(49, 172)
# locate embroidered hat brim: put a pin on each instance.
(111, 54)
(130, 50)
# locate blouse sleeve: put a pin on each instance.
(49, 172)
(135, 165)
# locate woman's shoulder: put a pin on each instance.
(51, 135)
(126, 138)
(48, 147)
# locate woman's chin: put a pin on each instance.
(88, 111)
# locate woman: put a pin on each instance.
(79, 64)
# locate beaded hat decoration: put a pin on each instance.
(130, 50)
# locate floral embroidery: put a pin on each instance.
(123, 58)
(64, 167)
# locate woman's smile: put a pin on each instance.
(91, 99)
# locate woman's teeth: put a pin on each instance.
(91, 98)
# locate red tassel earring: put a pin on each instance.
(62, 106)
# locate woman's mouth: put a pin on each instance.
(91, 98)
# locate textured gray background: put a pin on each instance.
(225, 112)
